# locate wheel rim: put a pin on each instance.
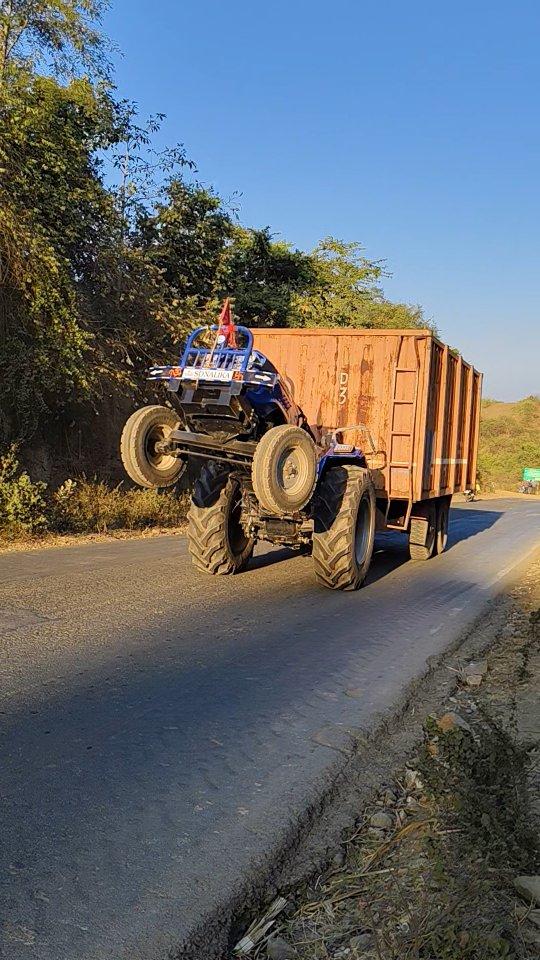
(431, 538)
(362, 533)
(159, 461)
(290, 470)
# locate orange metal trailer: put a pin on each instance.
(312, 441)
(417, 400)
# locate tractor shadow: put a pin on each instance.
(391, 549)
(271, 556)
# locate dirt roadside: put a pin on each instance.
(52, 540)
(428, 868)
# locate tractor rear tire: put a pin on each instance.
(217, 541)
(141, 460)
(284, 471)
(344, 527)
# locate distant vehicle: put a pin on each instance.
(528, 486)
(386, 432)
(530, 480)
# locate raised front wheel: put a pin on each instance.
(139, 447)
(344, 527)
(284, 471)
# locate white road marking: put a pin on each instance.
(508, 569)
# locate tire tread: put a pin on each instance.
(136, 469)
(207, 518)
(336, 507)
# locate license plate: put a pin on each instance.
(206, 373)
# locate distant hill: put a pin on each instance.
(509, 441)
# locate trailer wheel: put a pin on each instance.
(423, 533)
(142, 462)
(443, 511)
(344, 527)
(217, 541)
(284, 471)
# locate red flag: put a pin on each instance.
(225, 317)
(227, 329)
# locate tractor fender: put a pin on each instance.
(339, 459)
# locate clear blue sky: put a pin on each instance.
(412, 127)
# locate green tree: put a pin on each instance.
(61, 34)
(345, 292)
(263, 277)
(78, 305)
(50, 136)
(54, 212)
(185, 237)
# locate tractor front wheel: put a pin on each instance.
(217, 541)
(284, 471)
(140, 447)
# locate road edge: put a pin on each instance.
(308, 845)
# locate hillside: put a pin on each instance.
(509, 441)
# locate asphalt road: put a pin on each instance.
(161, 730)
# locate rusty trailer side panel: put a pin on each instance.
(419, 401)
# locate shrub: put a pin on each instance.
(22, 504)
(86, 506)
(79, 506)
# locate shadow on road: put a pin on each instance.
(466, 523)
(270, 557)
(391, 547)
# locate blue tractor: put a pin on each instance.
(263, 474)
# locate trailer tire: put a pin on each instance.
(344, 527)
(418, 532)
(284, 471)
(441, 539)
(216, 539)
(143, 464)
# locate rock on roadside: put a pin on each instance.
(278, 949)
(528, 888)
(453, 721)
(381, 820)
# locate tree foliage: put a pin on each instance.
(62, 34)
(263, 277)
(185, 236)
(509, 441)
(345, 292)
(102, 275)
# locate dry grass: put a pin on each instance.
(30, 514)
(93, 507)
(46, 541)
